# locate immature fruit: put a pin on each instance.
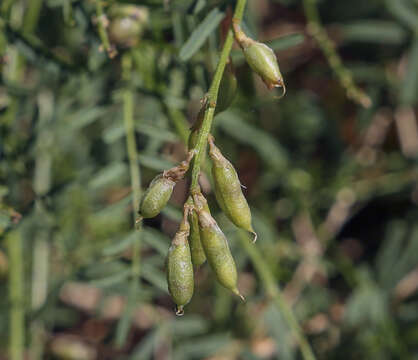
(227, 89)
(195, 129)
(216, 247)
(179, 267)
(261, 59)
(196, 248)
(156, 196)
(161, 188)
(228, 190)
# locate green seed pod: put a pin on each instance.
(227, 89)
(261, 59)
(161, 188)
(228, 190)
(196, 248)
(156, 196)
(127, 24)
(216, 247)
(179, 267)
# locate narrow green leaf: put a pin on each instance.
(373, 31)
(200, 34)
(409, 90)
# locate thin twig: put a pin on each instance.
(327, 46)
(211, 99)
(273, 290)
(102, 23)
(131, 147)
(16, 296)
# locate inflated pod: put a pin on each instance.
(261, 59)
(216, 247)
(160, 189)
(179, 267)
(227, 89)
(194, 131)
(156, 196)
(196, 248)
(228, 190)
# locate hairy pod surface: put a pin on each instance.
(156, 196)
(216, 248)
(261, 59)
(180, 278)
(228, 190)
(160, 189)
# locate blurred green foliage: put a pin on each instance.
(332, 186)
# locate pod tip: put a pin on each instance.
(236, 292)
(179, 310)
(255, 236)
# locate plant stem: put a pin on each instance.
(16, 296)
(273, 290)
(101, 25)
(327, 46)
(131, 146)
(211, 98)
(254, 254)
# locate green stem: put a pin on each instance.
(131, 146)
(211, 99)
(16, 296)
(327, 46)
(101, 25)
(273, 290)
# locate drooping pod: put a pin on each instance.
(216, 247)
(193, 137)
(228, 190)
(156, 196)
(180, 278)
(260, 58)
(160, 189)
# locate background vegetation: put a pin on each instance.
(331, 178)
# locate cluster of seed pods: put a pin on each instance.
(199, 238)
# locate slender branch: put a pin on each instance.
(273, 290)
(16, 296)
(327, 46)
(211, 99)
(131, 146)
(101, 25)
